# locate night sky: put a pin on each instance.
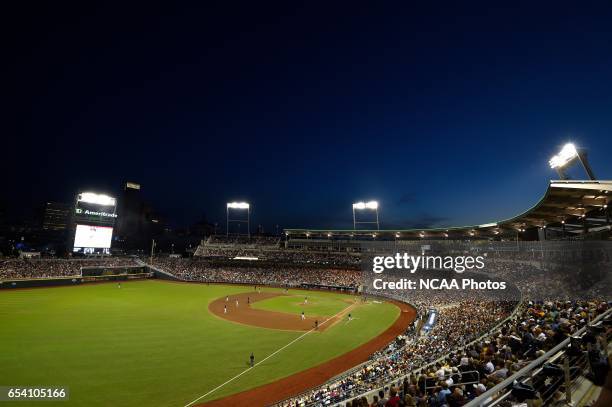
(446, 115)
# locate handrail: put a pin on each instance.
(478, 401)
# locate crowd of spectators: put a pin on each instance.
(24, 268)
(437, 369)
(272, 241)
(270, 249)
(280, 255)
(206, 271)
(542, 280)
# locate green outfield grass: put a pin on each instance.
(319, 303)
(154, 343)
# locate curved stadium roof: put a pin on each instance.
(567, 208)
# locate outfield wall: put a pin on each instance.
(134, 273)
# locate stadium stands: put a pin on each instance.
(428, 365)
(11, 269)
(270, 274)
(474, 345)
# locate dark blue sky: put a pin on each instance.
(446, 115)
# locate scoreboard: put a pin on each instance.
(95, 209)
(94, 220)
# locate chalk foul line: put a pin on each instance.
(267, 357)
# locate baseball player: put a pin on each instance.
(303, 316)
(225, 309)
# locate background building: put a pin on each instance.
(56, 216)
(137, 222)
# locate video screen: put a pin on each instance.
(93, 236)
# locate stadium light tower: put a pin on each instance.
(360, 206)
(238, 206)
(568, 155)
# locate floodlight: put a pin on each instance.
(366, 205)
(567, 154)
(373, 205)
(98, 199)
(487, 225)
(238, 205)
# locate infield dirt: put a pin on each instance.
(244, 314)
(293, 385)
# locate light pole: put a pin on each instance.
(238, 206)
(152, 250)
(568, 154)
(371, 205)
